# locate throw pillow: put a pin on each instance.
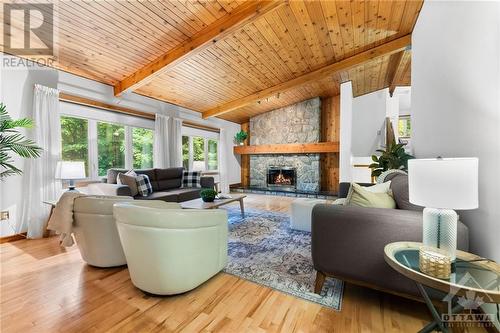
(363, 198)
(130, 181)
(191, 179)
(377, 188)
(144, 185)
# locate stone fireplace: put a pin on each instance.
(298, 123)
(281, 177)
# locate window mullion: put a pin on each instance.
(191, 152)
(92, 144)
(205, 152)
(128, 148)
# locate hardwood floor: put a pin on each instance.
(48, 289)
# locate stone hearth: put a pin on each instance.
(298, 123)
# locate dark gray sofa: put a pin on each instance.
(348, 242)
(166, 185)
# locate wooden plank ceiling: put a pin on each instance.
(110, 41)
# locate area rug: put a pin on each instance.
(263, 249)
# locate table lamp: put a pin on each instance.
(442, 185)
(66, 170)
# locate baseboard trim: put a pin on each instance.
(12, 238)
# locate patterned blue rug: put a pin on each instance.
(263, 249)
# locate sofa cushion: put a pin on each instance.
(168, 178)
(112, 175)
(186, 194)
(164, 196)
(144, 185)
(363, 198)
(191, 179)
(130, 180)
(399, 187)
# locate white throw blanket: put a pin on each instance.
(61, 220)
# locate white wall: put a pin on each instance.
(345, 172)
(368, 122)
(456, 101)
(16, 91)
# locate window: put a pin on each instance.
(199, 153)
(142, 148)
(404, 127)
(212, 155)
(185, 152)
(74, 138)
(105, 139)
(110, 147)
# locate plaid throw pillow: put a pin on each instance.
(191, 179)
(144, 185)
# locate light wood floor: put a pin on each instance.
(47, 289)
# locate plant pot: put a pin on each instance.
(241, 143)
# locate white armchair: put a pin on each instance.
(95, 229)
(171, 251)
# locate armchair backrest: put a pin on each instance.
(95, 229)
(171, 250)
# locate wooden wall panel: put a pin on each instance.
(330, 131)
(245, 159)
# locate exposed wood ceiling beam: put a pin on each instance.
(388, 48)
(244, 14)
(392, 71)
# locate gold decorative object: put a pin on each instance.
(434, 262)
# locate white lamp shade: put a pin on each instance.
(70, 170)
(447, 183)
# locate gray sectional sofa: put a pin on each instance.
(348, 242)
(166, 183)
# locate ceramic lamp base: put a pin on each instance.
(440, 230)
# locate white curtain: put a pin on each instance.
(39, 173)
(176, 142)
(161, 156)
(223, 168)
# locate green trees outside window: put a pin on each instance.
(185, 152)
(212, 155)
(142, 148)
(110, 147)
(74, 138)
(200, 153)
(404, 127)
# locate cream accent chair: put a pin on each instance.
(95, 230)
(171, 251)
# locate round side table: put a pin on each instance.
(472, 276)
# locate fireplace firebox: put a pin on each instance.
(281, 177)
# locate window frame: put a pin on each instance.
(406, 117)
(206, 135)
(93, 116)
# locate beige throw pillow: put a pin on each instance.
(129, 179)
(363, 197)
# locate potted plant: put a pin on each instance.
(12, 141)
(394, 157)
(240, 137)
(208, 194)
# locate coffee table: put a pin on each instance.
(473, 278)
(200, 204)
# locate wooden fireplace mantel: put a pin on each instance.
(292, 148)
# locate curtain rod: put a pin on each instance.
(64, 97)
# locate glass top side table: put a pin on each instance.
(471, 275)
